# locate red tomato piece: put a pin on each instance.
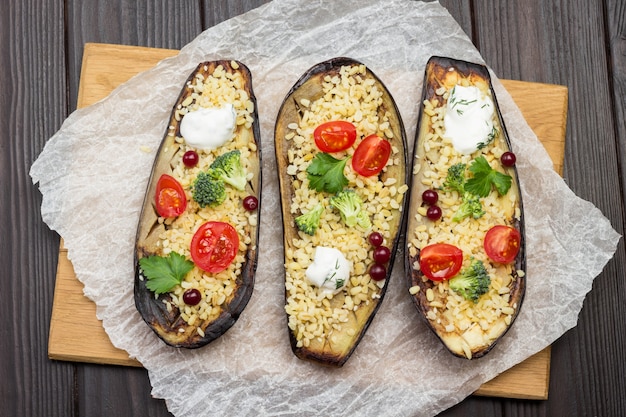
(334, 136)
(371, 156)
(214, 246)
(170, 197)
(502, 243)
(440, 261)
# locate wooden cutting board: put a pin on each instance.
(77, 335)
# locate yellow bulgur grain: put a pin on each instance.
(459, 315)
(214, 90)
(354, 97)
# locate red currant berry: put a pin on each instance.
(192, 297)
(430, 197)
(376, 239)
(190, 159)
(250, 203)
(508, 159)
(382, 254)
(433, 213)
(378, 272)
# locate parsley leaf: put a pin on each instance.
(164, 273)
(325, 173)
(485, 177)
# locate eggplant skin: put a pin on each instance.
(168, 325)
(446, 72)
(334, 353)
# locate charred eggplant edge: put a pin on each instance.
(152, 309)
(518, 289)
(333, 65)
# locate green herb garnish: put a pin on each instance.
(453, 102)
(329, 277)
(325, 173)
(490, 137)
(485, 177)
(164, 272)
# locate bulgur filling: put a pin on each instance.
(354, 97)
(212, 91)
(468, 325)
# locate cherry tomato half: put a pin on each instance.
(440, 261)
(170, 197)
(371, 156)
(334, 136)
(214, 246)
(502, 243)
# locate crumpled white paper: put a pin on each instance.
(93, 173)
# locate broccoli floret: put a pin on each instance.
(472, 282)
(363, 219)
(455, 180)
(349, 205)
(308, 222)
(208, 191)
(470, 203)
(470, 206)
(228, 168)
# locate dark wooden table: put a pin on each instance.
(576, 43)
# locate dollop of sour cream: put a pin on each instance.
(329, 271)
(208, 128)
(468, 120)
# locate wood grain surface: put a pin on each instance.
(575, 43)
(77, 335)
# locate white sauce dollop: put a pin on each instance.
(208, 128)
(468, 121)
(329, 271)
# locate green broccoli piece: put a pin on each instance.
(363, 219)
(470, 206)
(208, 191)
(472, 282)
(308, 222)
(455, 180)
(470, 203)
(349, 205)
(228, 168)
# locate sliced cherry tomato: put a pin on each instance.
(371, 156)
(502, 243)
(214, 246)
(170, 197)
(334, 136)
(440, 261)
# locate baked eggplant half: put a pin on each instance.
(196, 244)
(341, 156)
(465, 255)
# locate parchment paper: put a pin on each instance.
(93, 173)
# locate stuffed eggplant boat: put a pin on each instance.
(341, 156)
(465, 256)
(196, 245)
